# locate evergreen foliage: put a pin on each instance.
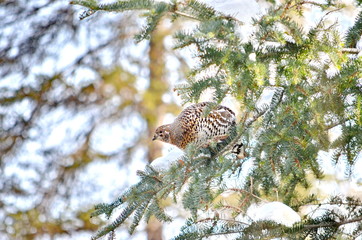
(354, 33)
(316, 87)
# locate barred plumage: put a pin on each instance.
(192, 126)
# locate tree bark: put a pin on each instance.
(155, 108)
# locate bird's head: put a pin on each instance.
(162, 133)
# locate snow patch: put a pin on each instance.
(274, 211)
(169, 158)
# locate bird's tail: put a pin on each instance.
(238, 150)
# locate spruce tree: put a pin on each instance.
(316, 86)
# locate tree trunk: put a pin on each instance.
(155, 106)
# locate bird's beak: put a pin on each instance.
(154, 138)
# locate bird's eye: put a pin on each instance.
(161, 131)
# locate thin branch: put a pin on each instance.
(321, 5)
(332, 224)
(232, 207)
(325, 15)
(244, 191)
(329, 127)
(221, 219)
(185, 15)
(351, 50)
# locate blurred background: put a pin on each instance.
(79, 101)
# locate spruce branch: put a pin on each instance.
(246, 124)
(332, 224)
(326, 225)
(118, 6)
(193, 10)
(144, 199)
(112, 236)
(355, 32)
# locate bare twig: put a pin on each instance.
(221, 219)
(244, 191)
(351, 50)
